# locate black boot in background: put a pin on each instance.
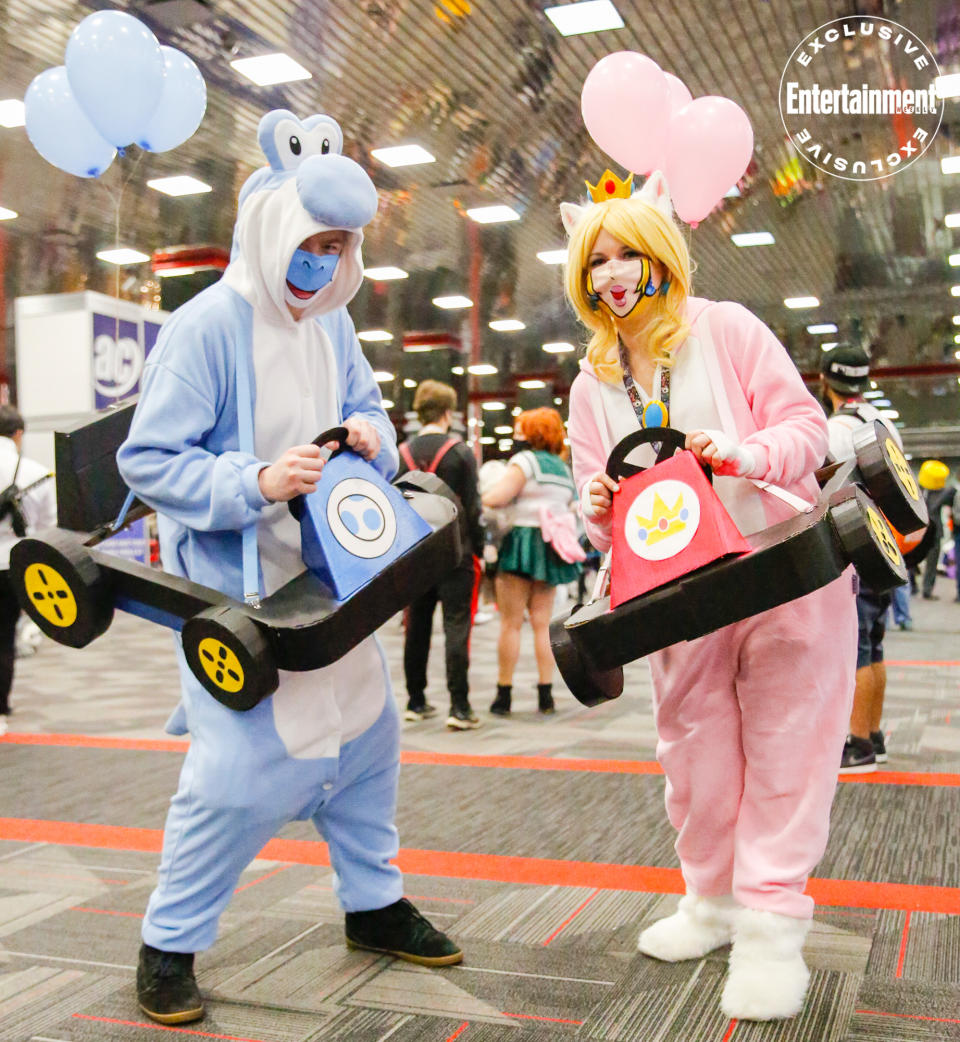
(501, 704)
(545, 698)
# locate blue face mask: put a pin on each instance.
(311, 271)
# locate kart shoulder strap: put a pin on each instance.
(251, 560)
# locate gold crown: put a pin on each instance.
(665, 521)
(609, 186)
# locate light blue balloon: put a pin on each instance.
(115, 69)
(60, 131)
(182, 104)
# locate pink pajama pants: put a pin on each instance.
(751, 722)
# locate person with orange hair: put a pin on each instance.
(538, 554)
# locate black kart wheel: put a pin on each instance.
(588, 684)
(888, 478)
(669, 441)
(61, 587)
(867, 541)
(231, 657)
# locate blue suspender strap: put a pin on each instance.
(122, 516)
(251, 562)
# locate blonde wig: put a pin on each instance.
(644, 227)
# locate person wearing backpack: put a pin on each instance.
(845, 374)
(435, 450)
(27, 503)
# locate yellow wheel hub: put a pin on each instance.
(50, 595)
(883, 535)
(899, 463)
(221, 665)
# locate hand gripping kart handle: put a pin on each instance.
(337, 434)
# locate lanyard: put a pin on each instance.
(656, 413)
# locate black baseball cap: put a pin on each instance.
(846, 369)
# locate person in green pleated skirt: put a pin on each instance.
(539, 553)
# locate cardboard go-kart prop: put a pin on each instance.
(370, 548)
(679, 569)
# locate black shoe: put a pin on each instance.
(166, 988)
(413, 713)
(400, 930)
(931, 596)
(461, 719)
(545, 698)
(858, 756)
(501, 704)
(879, 746)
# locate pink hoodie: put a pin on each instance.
(756, 396)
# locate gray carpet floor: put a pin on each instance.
(544, 876)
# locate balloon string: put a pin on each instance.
(117, 199)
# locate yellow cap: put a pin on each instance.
(933, 474)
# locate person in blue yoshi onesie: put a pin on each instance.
(213, 460)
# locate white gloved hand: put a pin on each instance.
(726, 456)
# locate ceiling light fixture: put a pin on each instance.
(753, 239)
(386, 403)
(829, 345)
(457, 370)
(453, 302)
(492, 406)
(7, 215)
(487, 440)
(801, 302)
(493, 214)
(182, 184)
(482, 369)
(402, 155)
(552, 256)
(507, 325)
(873, 394)
(531, 385)
(891, 414)
(123, 255)
(503, 430)
(12, 113)
(588, 16)
(375, 336)
(950, 165)
(952, 220)
(414, 348)
(823, 327)
(267, 69)
(954, 260)
(559, 347)
(385, 274)
(382, 376)
(409, 383)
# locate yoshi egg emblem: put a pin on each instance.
(50, 595)
(361, 518)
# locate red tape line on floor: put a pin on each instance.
(496, 867)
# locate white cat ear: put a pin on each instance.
(570, 214)
(656, 192)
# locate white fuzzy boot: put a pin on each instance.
(699, 925)
(767, 978)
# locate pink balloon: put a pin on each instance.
(626, 105)
(709, 146)
(679, 96)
